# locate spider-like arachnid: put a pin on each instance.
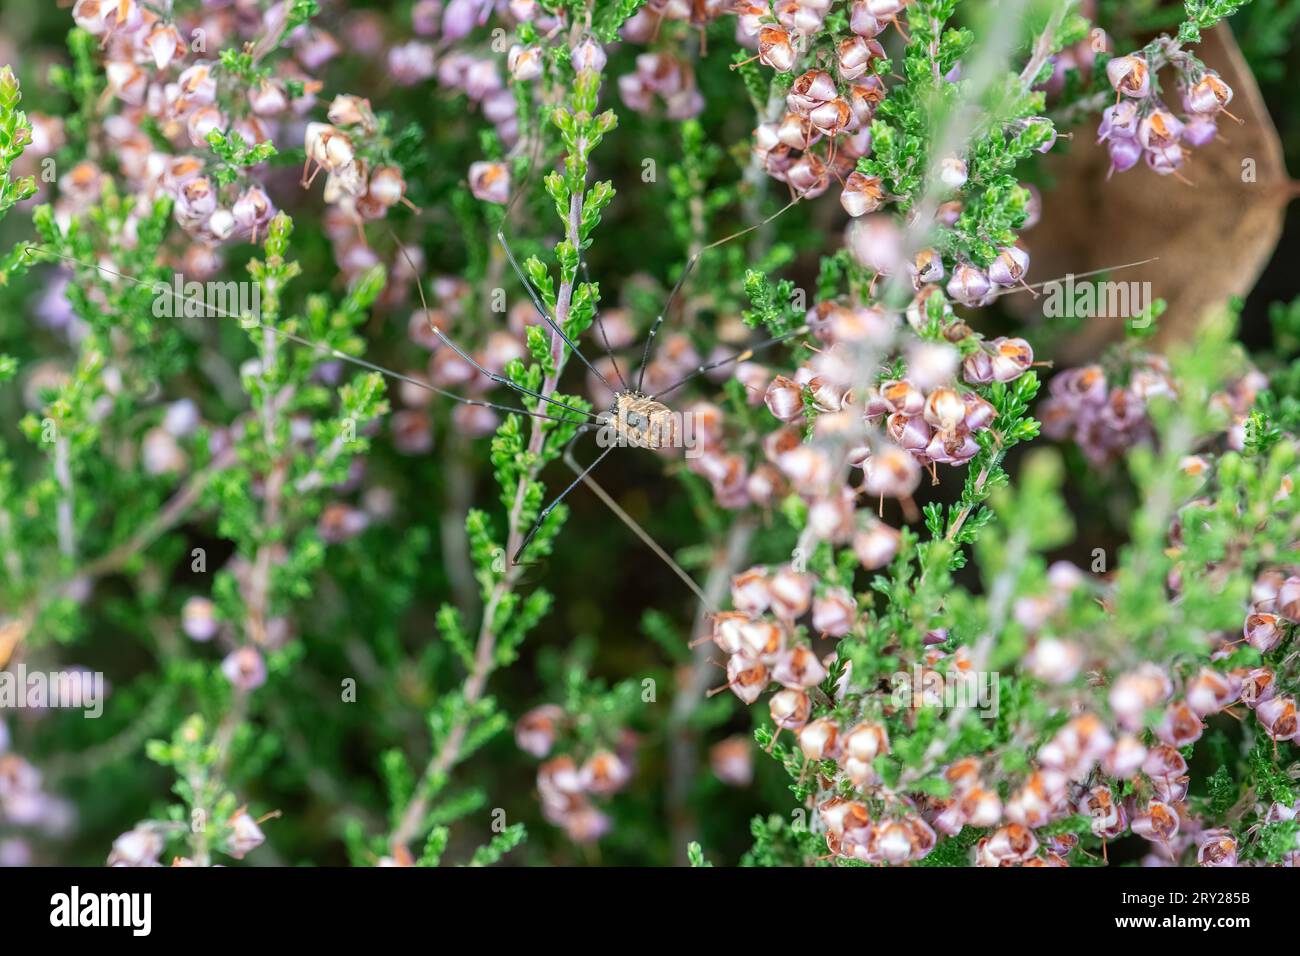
(633, 419)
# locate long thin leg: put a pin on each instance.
(744, 356)
(545, 314)
(308, 343)
(1032, 287)
(545, 512)
(640, 532)
(499, 379)
(690, 265)
(600, 324)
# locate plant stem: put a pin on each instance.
(684, 746)
(411, 820)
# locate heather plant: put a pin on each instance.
(643, 377)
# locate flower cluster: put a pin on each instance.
(1140, 124)
(27, 808)
(219, 117)
(567, 782)
(826, 126)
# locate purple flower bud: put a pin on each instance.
(1165, 160)
(1010, 266)
(245, 835)
(1159, 129)
(245, 668)
(198, 619)
(977, 368)
(490, 181)
(588, 55)
(875, 243)
(1130, 75)
(1209, 94)
(1200, 130)
(459, 18)
(862, 22)
(411, 62)
(424, 17)
(969, 284)
(1124, 154)
(1120, 120)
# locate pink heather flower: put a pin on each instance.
(1119, 121)
(1010, 266)
(524, 63)
(875, 545)
(834, 612)
(1211, 691)
(425, 17)
(476, 421)
(1278, 716)
(1217, 847)
(1200, 130)
(747, 678)
(969, 284)
(1158, 823)
(875, 243)
(411, 62)
(199, 619)
(1288, 599)
(1011, 357)
(1208, 95)
(952, 172)
(535, 731)
(789, 709)
(819, 739)
(863, 22)
(790, 593)
(588, 55)
(490, 182)
(798, 668)
(1124, 154)
(604, 773)
(1165, 160)
(784, 399)
(245, 835)
(1159, 129)
(750, 592)
(245, 668)
(139, 847)
(732, 761)
(1130, 75)
(459, 18)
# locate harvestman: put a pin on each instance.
(638, 419)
